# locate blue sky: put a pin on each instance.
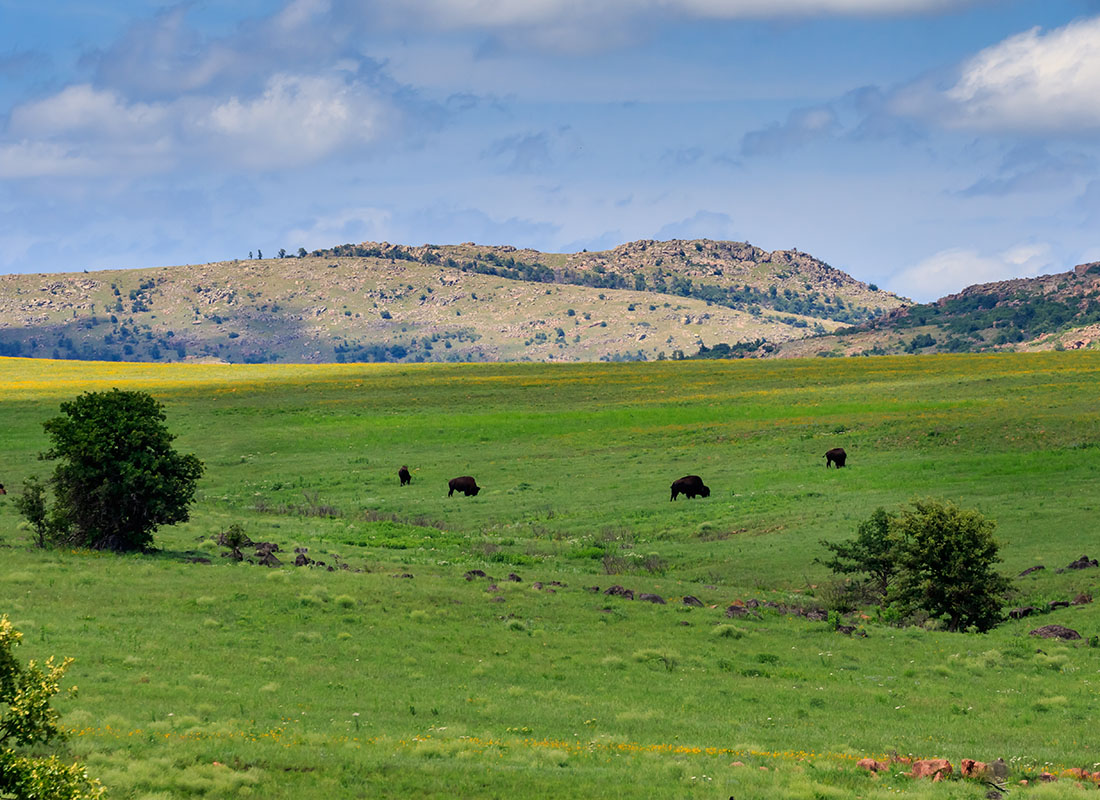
(923, 145)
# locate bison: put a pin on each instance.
(465, 484)
(835, 456)
(2, 489)
(404, 475)
(689, 486)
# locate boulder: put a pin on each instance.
(1084, 562)
(1082, 599)
(475, 573)
(691, 600)
(1023, 611)
(652, 598)
(514, 578)
(935, 768)
(969, 768)
(1030, 570)
(735, 611)
(1055, 632)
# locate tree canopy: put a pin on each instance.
(930, 557)
(118, 478)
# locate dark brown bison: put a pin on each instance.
(835, 456)
(465, 484)
(689, 486)
(2, 489)
(404, 475)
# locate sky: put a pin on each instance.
(921, 145)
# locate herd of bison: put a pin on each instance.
(690, 486)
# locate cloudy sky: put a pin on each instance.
(923, 145)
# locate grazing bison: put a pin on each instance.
(404, 475)
(689, 486)
(465, 484)
(835, 456)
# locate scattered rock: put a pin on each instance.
(199, 560)
(619, 591)
(302, 560)
(969, 768)
(536, 585)
(1030, 570)
(1058, 604)
(514, 578)
(847, 630)
(1055, 632)
(403, 575)
(691, 600)
(735, 611)
(871, 765)
(1046, 777)
(269, 559)
(492, 587)
(1082, 599)
(593, 589)
(652, 598)
(556, 583)
(1084, 562)
(935, 768)
(475, 573)
(497, 599)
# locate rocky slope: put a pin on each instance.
(382, 302)
(1049, 312)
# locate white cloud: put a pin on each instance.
(950, 271)
(82, 108)
(493, 14)
(43, 160)
(294, 120)
(297, 120)
(1034, 83)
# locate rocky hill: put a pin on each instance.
(1050, 312)
(383, 302)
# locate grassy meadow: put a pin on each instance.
(232, 679)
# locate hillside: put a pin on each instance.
(1050, 312)
(382, 302)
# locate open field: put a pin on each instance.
(229, 680)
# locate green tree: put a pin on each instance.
(118, 478)
(44, 521)
(946, 565)
(874, 552)
(27, 719)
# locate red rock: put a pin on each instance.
(871, 765)
(1046, 777)
(737, 764)
(969, 768)
(933, 768)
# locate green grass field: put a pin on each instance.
(228, 680)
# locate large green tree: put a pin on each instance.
(931, 557)
(947, 565)
(118, 478)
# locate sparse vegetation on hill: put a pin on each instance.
(380, 302)
(1050, 312)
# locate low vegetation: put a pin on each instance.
(569, 630)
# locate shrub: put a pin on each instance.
(27, 720)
